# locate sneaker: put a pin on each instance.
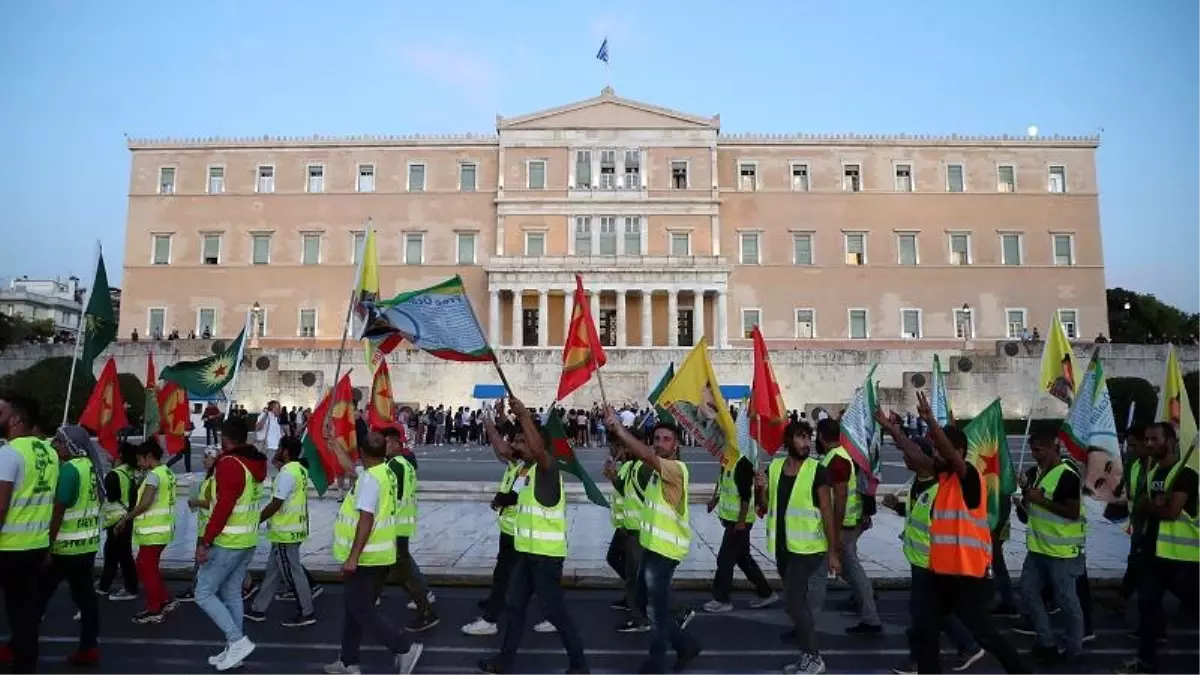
(78, 616)
(632, 626)
(339, 668)
(966, 660)
(620, 605)
(480, 627)
(685, 659)
(761, 603)
(685, 617)
(101, 591)
(1024, 627)
(718, 607)
(249, 591)
(423, 623)
(407, 662)
(1053, 609)
(317, 591)
(121, 594)
(1003, 611)
(808, 663)
(146, 616)
(864, 628)
(235, 654)
(1089, 637)
(379, 601)
(217, 658)
(187, 596)
(285, 596)
(412, 604)
(254, 615)
(1135, 666)
(85, 658)
(299, 620)
(545, 627)
(906, 668)
(491, 665)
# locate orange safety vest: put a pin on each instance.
(960, 539)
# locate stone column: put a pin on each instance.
(722, 320)
(568, 309)
(517, 305)
(621, 327)
(494, 317)
(698, 316)
(647, 319)
(672, 317)
(594, 297)
(543, 318)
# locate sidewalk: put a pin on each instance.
(457, 539)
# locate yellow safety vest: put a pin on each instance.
(289, 525)
(241, 529)
(208, 490)
(541, 530)
(79, 531)
(156, 525)
(633, 498)
(114, 511)
(665, 530)
(1179, 538)
(26, 525)
(1049, 534)
(729, 504)
(508, 515)
(804, 530)
(380, 549)
(617, 499)
(406, 506)
(853, 501)
(917, 518)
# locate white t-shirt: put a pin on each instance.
(151, 479)
(12, 466)
(627, 418)
(366, 493)
(285, 482)
(273, 432)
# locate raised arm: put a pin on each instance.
(941, 444)
(632, 445)
(916, 459)
(533, 438)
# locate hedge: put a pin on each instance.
(46, 383)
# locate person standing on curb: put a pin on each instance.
(733, 500)
(405, 518)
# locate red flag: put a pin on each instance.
(338, 406)
(582, 353)
(104, 414)
(382, 411)
(768, 414)
(176, 416)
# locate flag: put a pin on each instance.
(656, 393)
(151, 418)
(558, 444)
(693, 397)
(438, 320)
(1058, 365)
(208, 375)
(987, 449)
(747, 446)
(99, 321)
(337, 404)
(104, 414)
(1090, 422)
(382, 411)
(602, 55)
(767, 412)
(938, 398)
(176, 416)
(366, 289)
(858, 429)
(1174, 407)
(582, 353)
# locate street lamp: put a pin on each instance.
(256, 314)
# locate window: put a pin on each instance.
(748, 176)
(266, 179)
(633, 169)
(681, 244)
(800, 181)
(608, 169)
(750, 319)
(633, 235)
(166, 180)
(467, 176)
(206, 322)
(851, 178)
(583, 235)
(858, 324)
(954, 178)
(156, 321)
(960, 248)
(608, 235)
(357, 240)
(308, 323)
(161, 255)
(906, 244)
(910, 324)
(210, 249)
(536, 174)
(748, 248)
(366, 177)
(583, 169)
(310, 249)
(466, 248)
(262, 322)
(216, 180)
(1006, 178)
(1010, 249)
(414, 248)
(964, 324)
(806, 324)
(1058, 179)
(679, 175)
(316, 178)
(260, 249)
(904, 181)
(535, 244)
(1069, 319)
(856, 248)
(416, 177)
(802, 251)
(1015, 321)
(1064, 249)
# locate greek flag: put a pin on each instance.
(602, 55)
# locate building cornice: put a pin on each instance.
(315, 141)
(952, 140)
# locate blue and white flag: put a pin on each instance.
(602, 55)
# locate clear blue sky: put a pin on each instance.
(76, 76)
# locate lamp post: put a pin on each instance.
(966, 325)
(255, 319)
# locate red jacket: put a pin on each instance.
(230, 481)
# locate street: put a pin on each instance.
(744, 641)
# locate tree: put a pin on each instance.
(46, 382)
(1191, 383)
(16, 330)
(1148, 320)
(134, 394)
(1135, 390)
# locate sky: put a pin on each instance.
(78, 76)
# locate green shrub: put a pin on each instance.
(46, 383)
(1132, 390)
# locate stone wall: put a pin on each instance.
(808, 377)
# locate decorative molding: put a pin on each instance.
(1005, 140)
(314, 141)
(607, 95)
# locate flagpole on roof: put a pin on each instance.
(80, 333)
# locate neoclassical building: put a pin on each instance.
(679, 230)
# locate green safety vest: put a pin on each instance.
(508, 515)
(729, 505)
(26, 526)
(1179, 538)
(1135, 484)
(918, 516)
(156, 525)
(853, 501)
(802, 522)
(406, 506)
(241, 529)
(289, 525)
(633, 498)
(114, 511)
(1049, 534)
(208, 488)
(380, 549)
(665, 530)
(617, 499)
(541, 530)
(79, 531)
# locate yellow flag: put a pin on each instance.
(694, 399)
(367, 287)
(1174, 407)
(1058, 365)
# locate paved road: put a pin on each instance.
(743, 642)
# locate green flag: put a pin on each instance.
(656, 394)
(99, 322)
(316, 469)
(208, 375)
(567, 461)
(151, 419)
(987, 449)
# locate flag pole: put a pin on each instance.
(237, 366)
(354, 290)
(80, 334)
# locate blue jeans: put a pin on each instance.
(219, 588)
(1061, 573)
(654, 588)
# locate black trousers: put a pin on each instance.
(506, 556)
(616, 552)
(19, 571)
(118, 552)
(361, 615)
(1154, 578)
(969, 599)
(541, 576)
(404, 572)
(76, 570)
(735, 550)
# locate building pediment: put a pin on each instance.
(607, 111)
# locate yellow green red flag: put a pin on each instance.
(1174, 407)
(1058, 365)
(694, 399)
